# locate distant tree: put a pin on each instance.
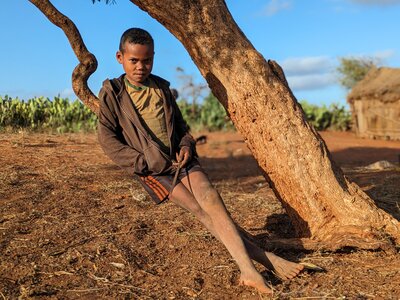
(191, 90)
(352, 70)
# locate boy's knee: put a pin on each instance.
(210, 196)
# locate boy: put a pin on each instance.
(142, 130)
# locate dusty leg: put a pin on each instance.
(282, 268)
(211, 211)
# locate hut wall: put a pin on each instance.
(376, 119)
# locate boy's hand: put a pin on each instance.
(184, 156)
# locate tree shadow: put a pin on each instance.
(381, 185)
(234, 167)
(362, 156)
(279, 226)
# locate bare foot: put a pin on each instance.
(283, 268)
(257, 282)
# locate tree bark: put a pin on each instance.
(327, 211)
(87, 61)
(322, 204)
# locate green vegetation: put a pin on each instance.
(61, 115)
(334, 117)
(38, 114)
(210, 115)
(352, 70)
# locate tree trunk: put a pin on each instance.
(321, 203)
(326, 210)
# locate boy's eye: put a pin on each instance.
(145, 61)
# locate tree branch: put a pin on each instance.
(87, 61)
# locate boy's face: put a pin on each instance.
(137, 61)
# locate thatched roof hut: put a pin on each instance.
(375, 104)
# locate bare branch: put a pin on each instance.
(87, 61)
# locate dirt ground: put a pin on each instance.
(74, 226)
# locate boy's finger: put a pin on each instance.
(184, 153)
(178, 157)
(183, 162)
(185, 159)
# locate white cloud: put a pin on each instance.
(384, 54)
(311, 81)
(340, 7)
(319, 72)
(310, 73)
(376, 2)
(378, 57)
(307, 65)
(275, 6)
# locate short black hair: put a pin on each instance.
(135, 36)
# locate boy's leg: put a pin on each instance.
(281, 267)
(210, 209)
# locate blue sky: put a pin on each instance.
(305, 37)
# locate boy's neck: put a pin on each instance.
(138, 86)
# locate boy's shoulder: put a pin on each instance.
(114, 84)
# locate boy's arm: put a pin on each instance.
(112, 142)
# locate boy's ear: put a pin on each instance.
(119, 55)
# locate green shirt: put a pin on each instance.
(150, 107)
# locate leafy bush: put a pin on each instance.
(213, 115)
(190, 113)
(60, 115)
(334, 117)
(210, 115)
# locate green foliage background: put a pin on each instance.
(62, 115)
(210, 115)
(42, 114)
(332, 117)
